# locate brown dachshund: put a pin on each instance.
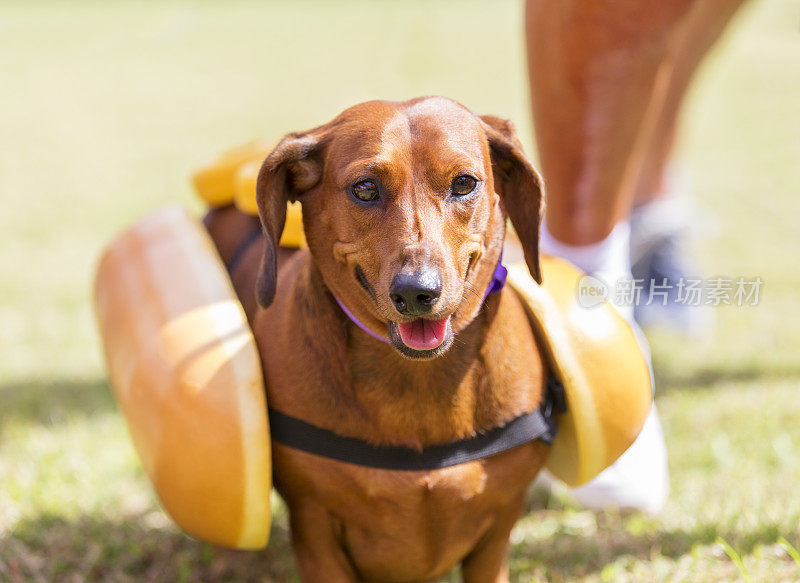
(404, 209)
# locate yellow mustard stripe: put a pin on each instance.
(244, 187)
(214, 181)
(245, 200)
(293, 234)
(232, 178)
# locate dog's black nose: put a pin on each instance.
(415, 294)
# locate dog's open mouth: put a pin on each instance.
(422, 334)
(422, 337)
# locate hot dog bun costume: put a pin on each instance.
(184, 369)
(183, 364)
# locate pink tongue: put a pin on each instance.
(423, 334)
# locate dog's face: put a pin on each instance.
(404, 209)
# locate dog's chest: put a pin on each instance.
(458, 483)
(368, 496)
(413, 522)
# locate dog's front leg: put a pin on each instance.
(486, 561)
(319, 552)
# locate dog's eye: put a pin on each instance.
(365, 190)
(463, 185)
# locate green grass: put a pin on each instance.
(106, 108)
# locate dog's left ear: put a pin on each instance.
(519, 185)
(293, 167)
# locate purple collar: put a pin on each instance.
(497, 284)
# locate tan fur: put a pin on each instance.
(351, 523)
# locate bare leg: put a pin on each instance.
(599, 72)
(703, 28)
(662, 215)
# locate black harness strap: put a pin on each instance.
(538, 425)
(237, 256)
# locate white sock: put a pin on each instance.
(606, 257)
(607, 260)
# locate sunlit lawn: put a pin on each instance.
(105, 108)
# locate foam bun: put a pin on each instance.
(184, 369)
(597, 357)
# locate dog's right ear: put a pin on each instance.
(293, 167)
